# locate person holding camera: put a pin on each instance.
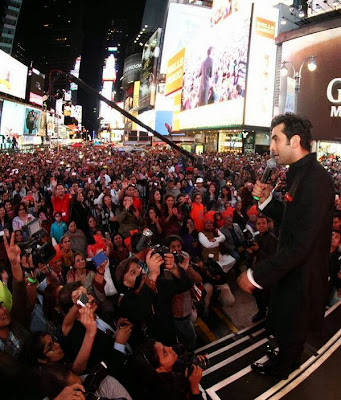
(166, 375)
(149, 289)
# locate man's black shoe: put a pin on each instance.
(271, 353)
(271, 368)
(257, 317)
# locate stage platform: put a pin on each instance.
(230, 376)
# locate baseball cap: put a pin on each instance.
(199, 180)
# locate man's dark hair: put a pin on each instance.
(259, 216)
(295, 125)
(65, 295)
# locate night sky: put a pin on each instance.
(95, 17)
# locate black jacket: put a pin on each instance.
(298, 273)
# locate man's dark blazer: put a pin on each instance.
(298, 273)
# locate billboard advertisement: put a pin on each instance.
(150, 59)
(131, 70)
(213, 89)
(261, 67)
(32, 121)
(12, 120)
(162, 120)
(175, 72)
(184, 23)
(13, 76)
(109, 70)
(319, 97)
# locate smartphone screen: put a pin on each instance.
(82, 300)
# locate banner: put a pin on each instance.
(175, 72)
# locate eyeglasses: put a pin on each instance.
(50, 346)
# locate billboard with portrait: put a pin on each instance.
(32, 121)
(214, 81)
(12, 120)
(36, 88)
(150, 57)
(13, 76)
(184, 23)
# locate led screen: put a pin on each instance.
(215, 71)
(13, 76)
(184, 23)
(12, 120)
(32, 121)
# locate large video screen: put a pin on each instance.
(184, 23)
(13, 76)
(213, 89)
(12, 120)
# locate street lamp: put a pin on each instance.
(298, 75)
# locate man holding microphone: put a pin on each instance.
(298, 273)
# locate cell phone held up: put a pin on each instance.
(82, 300)
(99, 258)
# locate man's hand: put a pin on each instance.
(124, 329)
(87, 319)
(153, 261)
(245, 284)
(262, 191)
(72, 392)
(169, 261)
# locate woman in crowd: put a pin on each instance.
(108, 219)
(189, 235)
(171, 218)
(211, 197)
(65, 248)
(155, 201)
(78, 272)
(128, 217)
(78, 239)
(152, 222)
(9, 209)
(22, 217)
(239, 217)
(120, 250)
(92, 229)
(79, 211)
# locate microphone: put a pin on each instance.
(270, 165)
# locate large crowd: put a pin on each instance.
(109, 257)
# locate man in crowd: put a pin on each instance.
(298, 274)
(264, 246)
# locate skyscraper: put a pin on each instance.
(9, 13)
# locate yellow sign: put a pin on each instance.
(175, 72)
(265, 28)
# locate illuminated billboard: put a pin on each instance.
(131, 70)
(12, 120)
(109, 70)
(184, 23)
(261, 67)
(319, 97)
(13, 76)
(32, 121)
(150, 57)
(214, 82)
(175, 72)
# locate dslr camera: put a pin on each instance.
(248, 239)
(34, 233)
